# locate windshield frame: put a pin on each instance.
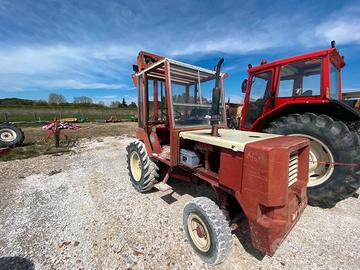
(333, 66)
(203, 72)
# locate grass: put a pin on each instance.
(33, 149)
(46, 114)
(35, 145)
(31, 118)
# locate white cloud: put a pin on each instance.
(343, 26)
(74, 84)
(240, 45)
(60, 67)
(344, 30)
(30, 84)
(91, 49)
(55, 58)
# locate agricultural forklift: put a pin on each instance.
(182, 135)
(10, 135)
(301, 95)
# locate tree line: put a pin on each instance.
(59, 99)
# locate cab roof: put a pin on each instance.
(333, 52)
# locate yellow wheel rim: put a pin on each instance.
(135, 166)
(199, 232)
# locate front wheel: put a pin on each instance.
(207, 230)
(143, 171)
(330, 142)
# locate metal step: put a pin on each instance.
(163, 186)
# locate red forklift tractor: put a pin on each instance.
(182, 135)
(301, 96)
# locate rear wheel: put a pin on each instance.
(143, 171)
(10, 135)
(330, 141)
(207, 230)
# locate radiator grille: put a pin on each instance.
(293, 168)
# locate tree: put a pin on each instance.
(56, 98)
(82, 100)
(132, 105)
(115, 104)
(40, 102)
(123, 104)
(101, 103)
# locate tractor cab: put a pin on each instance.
(301, 95)
(173, 97)
(309, 78)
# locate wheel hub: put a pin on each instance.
(7, 135)
(320, 161)
(135, 166)
(199, 232)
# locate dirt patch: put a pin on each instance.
(88, 216)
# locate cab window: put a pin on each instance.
(300, 79)
(259, 93)
(191, 93)
(334, 82)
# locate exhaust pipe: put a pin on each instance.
(216, 95)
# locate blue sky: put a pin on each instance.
(87, 47)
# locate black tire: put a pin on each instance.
(10, 135)
(149, 170)
(217, 226)
(344, 146)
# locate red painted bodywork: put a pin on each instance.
(271, 207)
(257, 177)
(328, 56)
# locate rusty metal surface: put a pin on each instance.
(270, 205)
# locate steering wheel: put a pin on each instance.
(307, 93)
(164, 112)
(179, 113)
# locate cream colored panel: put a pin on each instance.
(229, 138)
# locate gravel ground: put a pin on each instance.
(79, 211)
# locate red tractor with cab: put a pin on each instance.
(302, 96)
(182, 135)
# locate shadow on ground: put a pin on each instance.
(16, 263)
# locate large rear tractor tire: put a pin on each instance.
(10, 135)
(330, 141)
(143, 171)
(207, 230)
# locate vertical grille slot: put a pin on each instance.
(293, 168)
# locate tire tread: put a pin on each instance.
(345, 142)
(220, 226)
(150, 169)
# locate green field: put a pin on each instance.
(32, 114)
